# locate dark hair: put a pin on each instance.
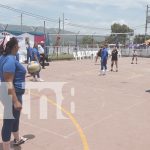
(2, 46)
(10, 45)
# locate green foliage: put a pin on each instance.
(139, 39)
(118, 28)
(61, 56)
(87, 40)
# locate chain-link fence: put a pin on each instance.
(145, 52)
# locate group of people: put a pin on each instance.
(36, 54)
(103, 54)
(41, 53)
(12, 75)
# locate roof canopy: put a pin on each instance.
(19, 32)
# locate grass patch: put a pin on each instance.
(61, 56)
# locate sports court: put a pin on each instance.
(111, 112)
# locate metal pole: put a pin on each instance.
(44, 31)
(21, 22)
(59, 26)
(76, 41)
(44, 27)
(57, 42)
(92, 42)
(76, 46)
(63, 30)
(146, 23)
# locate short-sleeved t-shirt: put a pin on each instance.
(40, 49)
(29, 51)
(104, 54)
(35, 52)
(9, 64)
(114, 54)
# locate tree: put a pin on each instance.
(120, 38)
(139, 39)
(87, 40)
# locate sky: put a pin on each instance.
(94, 13)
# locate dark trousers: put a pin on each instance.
(28, 57)
(37, 74)
(42, 60)
(11, 125)
(104, 64)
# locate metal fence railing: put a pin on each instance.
(140, 52)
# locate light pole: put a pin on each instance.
(63, 41)
(63, 28)
(44, 27)
(21, 22)
(44, 33)
(147, 21)
(76, 47)
(59, 26)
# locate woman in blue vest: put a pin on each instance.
(12, 74)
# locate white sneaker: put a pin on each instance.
(21, 141)
(104, 72)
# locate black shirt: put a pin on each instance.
(114, 55)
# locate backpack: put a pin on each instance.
(99, 52)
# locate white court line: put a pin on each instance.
(45, 130)
(108, 117)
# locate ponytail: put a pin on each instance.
(2, 47)
(10, 45)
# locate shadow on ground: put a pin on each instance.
(148, 91)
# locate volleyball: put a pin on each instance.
(33, 67)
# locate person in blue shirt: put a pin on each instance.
(35, 53)
(29, 53)
(104, 57)
(36, 57)
(12, 73)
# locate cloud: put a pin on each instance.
(98, 13)
(71, 7)
(120, 22)
(28, 3)
(118, 3)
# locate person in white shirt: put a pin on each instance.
(42, 55)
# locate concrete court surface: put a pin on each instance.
(113, 110)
